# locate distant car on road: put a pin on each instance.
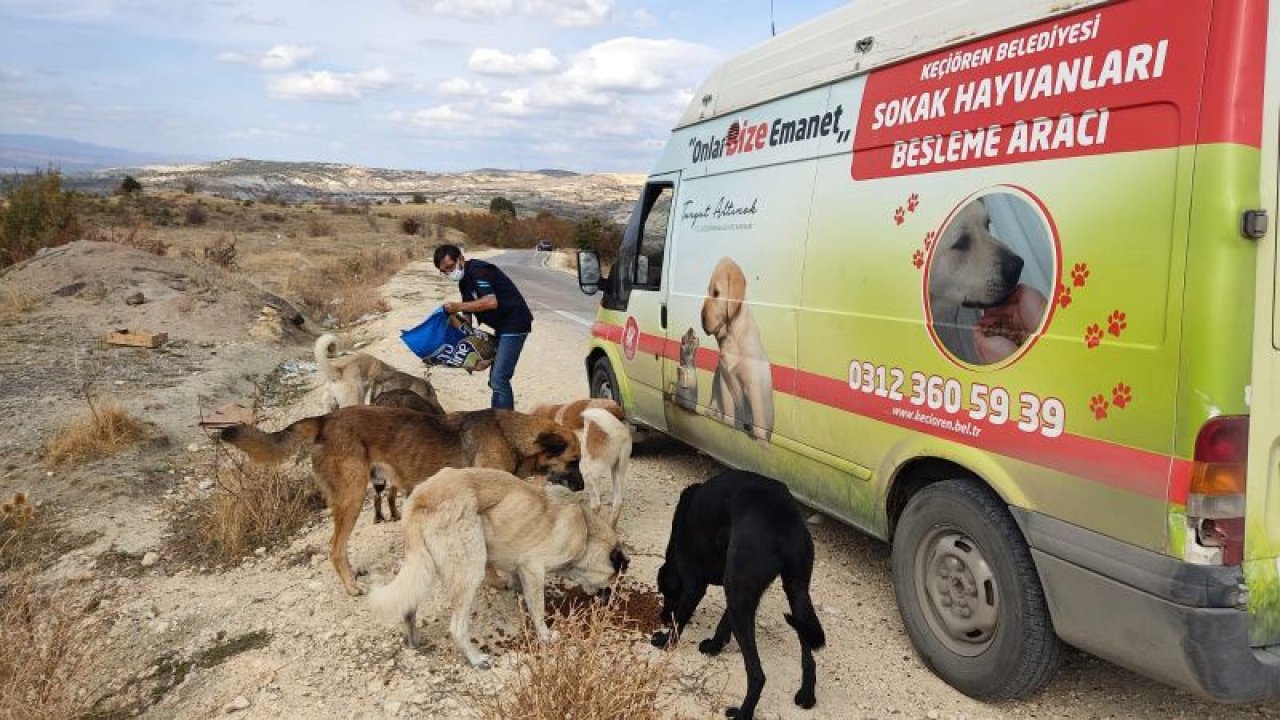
(544, 245)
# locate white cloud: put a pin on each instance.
(441, 115)
(629, 64)
(329, 86)
(280, 57)
(495, 62)
(462, 8)
(462, 87)
(284, 57)
(572, 13)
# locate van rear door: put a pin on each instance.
(1262, 496)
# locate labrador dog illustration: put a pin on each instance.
(406, 448)
(740, 530)
(459, 521)
(742, 388)
(687, 372)
(970, 268)
(356, 379)
(605, 442)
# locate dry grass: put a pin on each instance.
(251, 507)
(51, 649)
(600, 667)
(31, 536)
(100, 433)
(16, 300)
(347, 287)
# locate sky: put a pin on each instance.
(438, 85)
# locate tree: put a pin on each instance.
(587, 232)
(502, 206)
(419, 199)
(130, 185)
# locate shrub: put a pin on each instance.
(221, 252)
(129, 185)
(319, 227)
(251, 507)
(36, 213)
(411, 225)
(419, 199)
(502, 206)
(101, 433)
(196, 215)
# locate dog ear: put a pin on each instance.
(735, 290)
(552, 443)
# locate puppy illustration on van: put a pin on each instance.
(687, 372)
(989, 278)
(742, 389)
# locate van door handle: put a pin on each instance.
(662, 316)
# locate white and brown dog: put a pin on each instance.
(356, 379)
(605, 441)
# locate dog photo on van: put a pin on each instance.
(742, 388)
(686, 394)
(989, 278)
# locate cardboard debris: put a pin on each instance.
(139, 338)
(226, 415)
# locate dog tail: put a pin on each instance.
(273, 448)
(325, 345)
(398, 600)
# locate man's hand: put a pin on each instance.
(1002, 330)
(452, 307)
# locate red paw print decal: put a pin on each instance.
(913, 202)
(899, 216)
(918, 259)
(1064, 295)
(1079, 274)
(1121, 395)
(1098, 405)
(1116, 323)
(929, 238)
(1093, 336)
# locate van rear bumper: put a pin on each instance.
(1172, 621)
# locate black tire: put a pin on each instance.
(603, 382)
(969, 594)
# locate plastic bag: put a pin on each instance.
(449, 341)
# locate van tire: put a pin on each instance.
(603, 382)
(969, 594)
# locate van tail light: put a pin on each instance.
(1215, 503)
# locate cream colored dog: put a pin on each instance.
(356, 379)
(460, 520)
(742, 389)
(605, 442)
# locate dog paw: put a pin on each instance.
(733, 712)
(710, 647)
(1093, 336)
(1079, 274)
(917, 259)
(1116, 323)
(805, 698)
(1098, 404)
(913, 202)
(1064, 295)
(899, 216)
(1121, 395)
(660, 639)
(356, 589)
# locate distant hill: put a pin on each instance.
(562, 192)
(25, 153)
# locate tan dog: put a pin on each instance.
(606, 445)
(742, 389)
(969, 268)
(356, 379)
(459, 521)
(407, 447)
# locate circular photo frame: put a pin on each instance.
(990, 277)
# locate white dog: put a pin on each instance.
(605, 442)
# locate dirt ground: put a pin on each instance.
(274, 636)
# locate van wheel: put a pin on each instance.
(969, 593)
(603, 383)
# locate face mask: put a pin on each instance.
(455, 274)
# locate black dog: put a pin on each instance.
(740, 530)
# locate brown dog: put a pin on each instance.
(742, 389)
(406, 448)
(409, 400)
(606, 445)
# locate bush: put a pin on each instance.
(319, 227)
(419, 199)
(222, 252)
(36, 213)
(196, 215)
(502, 206)
(251, 507)
(411, 225)
(101, 433)
(129, 185)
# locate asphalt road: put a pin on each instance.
(548, 289)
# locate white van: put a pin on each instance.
(992, 280)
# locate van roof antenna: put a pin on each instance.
(773, 30)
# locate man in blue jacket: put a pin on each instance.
(494, 299)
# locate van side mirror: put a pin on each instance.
(588, 271)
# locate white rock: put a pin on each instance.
(240, 703)
(193, 447)
(150, 559)
(260, 551)
(391, 707)
(206, 484)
